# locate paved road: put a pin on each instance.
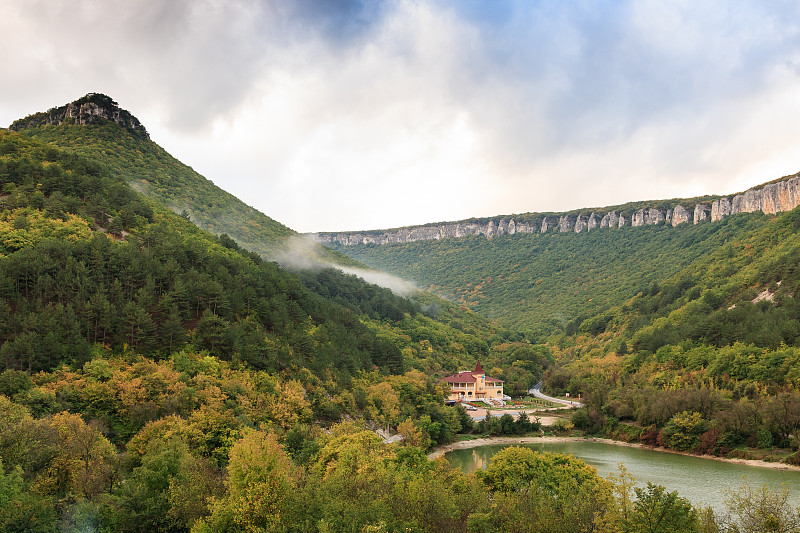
(537, 392)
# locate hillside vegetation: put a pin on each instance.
(551, 281)
(158, 377)
(140, 352)
(684, 337)
(707, 360)
(129, 153)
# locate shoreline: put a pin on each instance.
(475, 443)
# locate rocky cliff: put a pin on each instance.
(91, 109)
(781, 195)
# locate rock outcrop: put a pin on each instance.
(700, 213)
(720, 209)
(775, 197)
(580, 224)
(91, 109)
(680, 215)
(592, 223)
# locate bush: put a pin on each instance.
(580, 419)
(561, 425)
(683, 430)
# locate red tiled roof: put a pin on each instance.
(467, 377)
(461, 377)
(478, 368)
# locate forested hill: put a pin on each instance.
(706, 360)
(94, 126)
(86, 260)
(552, 281)
(140, 356)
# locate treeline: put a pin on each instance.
(161, 290)
(746, 423)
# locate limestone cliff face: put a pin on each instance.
(772, 198)
(700, 213)
(680, 216)
(783, 195)
(86, 110)
(720, 209)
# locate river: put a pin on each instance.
(701, 481)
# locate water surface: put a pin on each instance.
(701, 481)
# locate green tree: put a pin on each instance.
(683, 430)
(514, 468)
(261, 479)
(657, 511)
(20, 510)
(759, 510)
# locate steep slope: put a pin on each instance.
(84, 260)
(743, 292)
(94, 126)
(550, 281)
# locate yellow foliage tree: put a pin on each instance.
(85, 461)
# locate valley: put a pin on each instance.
(162, 369)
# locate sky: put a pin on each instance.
(334, 115)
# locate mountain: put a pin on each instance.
(554, 279)
(96, 127)
(774, 197)
(152, 281)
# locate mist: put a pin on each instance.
(303, 253)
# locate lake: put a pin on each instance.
(701, 481)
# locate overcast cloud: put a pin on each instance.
(344, 115)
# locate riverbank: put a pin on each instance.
(475, 443)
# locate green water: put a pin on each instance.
(701, 481)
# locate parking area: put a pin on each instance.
(480, 414)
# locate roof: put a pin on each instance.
(461, 377)
(468, 377)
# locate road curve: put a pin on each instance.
(537, 392)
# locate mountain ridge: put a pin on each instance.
(772, 197)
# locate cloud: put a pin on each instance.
(334, 115)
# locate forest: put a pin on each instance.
(159, 373)
(544, 282)
(122, 323)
